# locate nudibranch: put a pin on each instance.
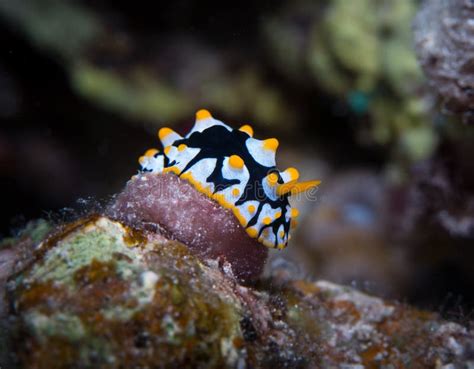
(211, 190)
(237, 171)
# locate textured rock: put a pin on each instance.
(102, 295)
(444, 36)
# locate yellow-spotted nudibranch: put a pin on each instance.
(236, 170)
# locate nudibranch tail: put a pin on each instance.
(236, 170)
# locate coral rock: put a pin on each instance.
(444, 39)
(100, 294)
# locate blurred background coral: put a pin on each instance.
(85, 85)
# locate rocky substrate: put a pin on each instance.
(98, 294)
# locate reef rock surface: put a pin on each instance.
(444, 38)
(98, 294)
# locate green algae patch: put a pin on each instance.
(79, 249)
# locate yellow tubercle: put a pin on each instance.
(236, 162)
(277, 214)
(271, 144)
(294, 212)
(252, 232)
(272, 179)
(182, 147)
(293, 173)
(251, 209)
(167, 150)
(151, 152)
(164, 132)
(141, 160)
(295, 188)
(235, 192)
(203, 114)
(247, 129)
(282, 234)
(266, 220)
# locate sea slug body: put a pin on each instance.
(218, 191)
(236, 170)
